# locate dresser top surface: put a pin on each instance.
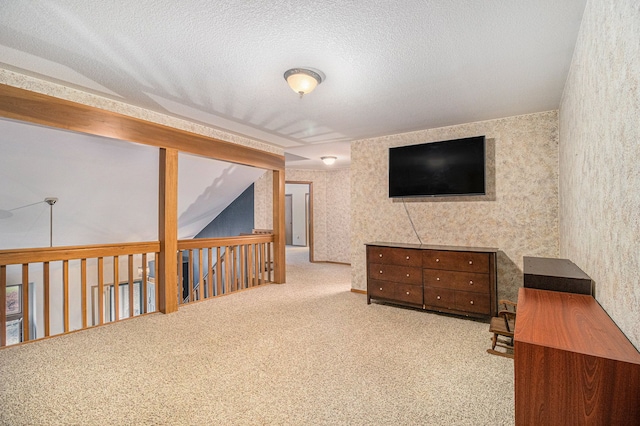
(433, 247)
(570, 322)
(551, 267)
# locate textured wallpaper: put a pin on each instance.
(520, 217)
(263, 201)
(599, 158)
(14, 79)
(339, 216)
(331, 210)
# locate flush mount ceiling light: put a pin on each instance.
(329, 160)
(303, 80)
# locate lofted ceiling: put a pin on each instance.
(107, 189)
(390, 67)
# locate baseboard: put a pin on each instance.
(332, 262)
(356, 290)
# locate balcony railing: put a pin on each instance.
(218, 266)
(51, 291)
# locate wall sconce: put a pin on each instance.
(329, 160)
(302, 80)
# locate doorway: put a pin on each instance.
(288, 219)
(299, 213)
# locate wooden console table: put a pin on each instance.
(572, 363)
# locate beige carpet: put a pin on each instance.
(309, 352)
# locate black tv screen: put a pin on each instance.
(447, 168)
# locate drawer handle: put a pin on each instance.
(471, 302)
(380, 254)
(471, 282)
(471, 262)
(407, 292)
(407, 275)
(438, 297)
(380, 271)
(380, 288)
(437, 260)
(407, 257)
(438, 279)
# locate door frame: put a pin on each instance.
(288, 215)
(310, 219)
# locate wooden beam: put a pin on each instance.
(279, 261)
(21, 104)
(168, 231)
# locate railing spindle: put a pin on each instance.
(232, 268)
(130, 274)
(83, 291)
(226, 269)
(210, 270)
(218, 272)
(250, 266)
(25, 302)
(269, 261)
(201, 285)
(243, 265)
(143, 285)
(100, 290)
(116, 288)
(3, 305)
(190, 269)
(262, 256)
(65, 293)
(180, 279)
(156, 286)
(46, 279)
(257, 265)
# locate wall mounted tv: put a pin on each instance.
(438, 169)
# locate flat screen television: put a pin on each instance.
(438, 169)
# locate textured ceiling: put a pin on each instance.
(391, 67)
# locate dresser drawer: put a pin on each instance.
(472, 302)
(394, 256)
(439, 297)
(456, 261)
(466, 281)
(409, 293)
(396, 273)
(381, 289)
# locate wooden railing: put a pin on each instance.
(217, 266)
(51, 291)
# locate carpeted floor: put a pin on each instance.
(309, 352)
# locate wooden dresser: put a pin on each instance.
(572, 363)
(456, 280)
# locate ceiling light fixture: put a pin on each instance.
(6, 214)
(303, 80)
(329, 160)
(51, 201)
